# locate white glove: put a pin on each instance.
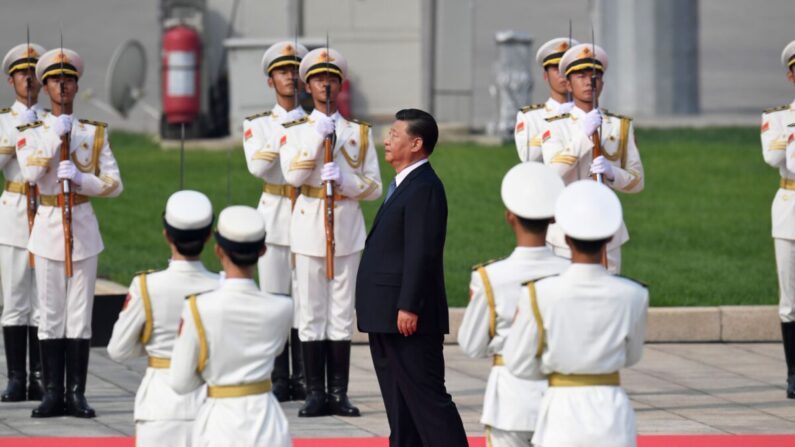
(601, 166)
(324, 125)
(68, 170)
(331, 172)
(292, 115)
(591, 121)
(62, 125)
(565, 107)
(27, 117)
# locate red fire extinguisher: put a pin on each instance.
(181, 75)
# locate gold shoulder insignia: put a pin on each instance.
(363, 123)
(5, 110)
(94, 123)
(296, 122)
(642, 284)
(490, 261)
(258, 115)
(538, 279)
(777, 109)
(791, 125)
(616, 115)
(30, 126)
(526, 109)
(557, 117)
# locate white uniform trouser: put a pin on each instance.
(785, 264)
(325, 307)
(65, 306)
(18, 285)
(501, 438)
(170, 433)
(613, 257)
(276, 274)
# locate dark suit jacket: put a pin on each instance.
(402, 264)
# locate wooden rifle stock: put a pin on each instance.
(67, 201)
(597, 152)
(328, 157)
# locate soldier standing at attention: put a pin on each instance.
(325, 306)
(510, 406)
(229, 338)
(777, 130)
(261, 134)
(65, 303)
(148, 323)
(579, 328)
(20, 318)
(530, 119)
(568, 142)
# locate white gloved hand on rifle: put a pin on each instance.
(62, 125)
(602, 166)
(331, 172)
(68, 170)
(565, 107)
(591, 121)
(324, 125)
(27, 117)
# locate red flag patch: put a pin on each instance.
(791, 137)
(519, 126)
(248, 134)
(21, 143)
(283, 140)
(179, 330)
(126, 302)
(765, 126)
(547, 135)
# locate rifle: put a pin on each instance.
(294, 190)
(328, 157)
(568, 93)
(30, 191)
(596, 137)
(67, 196)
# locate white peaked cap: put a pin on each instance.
(531, 189)
(589, 211)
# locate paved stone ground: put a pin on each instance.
(676, 389)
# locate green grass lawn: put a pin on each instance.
(700, 232)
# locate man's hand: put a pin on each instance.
(601, 166)
(324, 125)
(68, 170)
(591, 121)
(27, 117)
(62, 125)
(407, 322)
(331, 171)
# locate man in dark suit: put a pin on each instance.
(400, 294)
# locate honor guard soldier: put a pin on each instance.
(261, 134)
(579, 328)
(20, 317)
(65, 302)
(530, 119)
(148, 323)
(778, 128)
(510, 406)
(325, 306)
(568, 142)
(229, 339)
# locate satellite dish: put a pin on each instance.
(126, 76)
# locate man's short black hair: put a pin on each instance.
(242, 259)
(534, 226)
(190, 248)
(589, 247)
(421, 125)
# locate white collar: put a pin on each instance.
(316, 113)
(18, 107)
(278, 110)
(407, 170)
(552, 104)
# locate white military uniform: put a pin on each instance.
(148, 326)
(66, 305)
(237, 314)
(777, 130)
(17, 279)
(326, 307)
(261, 134)
(530, 122)
(510, 403)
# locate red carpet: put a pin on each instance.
(643, 441)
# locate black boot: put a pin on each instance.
(281, 375)
(35, 385)
(297, 382)
(314, 370)
(788, 337)
(15, 339)
(53, 354)
(77, 350)
(339, 365)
